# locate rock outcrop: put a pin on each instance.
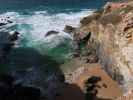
(51, 32)
(69, 29)
(112, 37)
(5, 20)
(7, 42)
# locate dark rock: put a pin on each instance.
(51, 32)
(92, 59)
(7, 43)
(93, 80)
(9, 21)
(91, 87)
(60, 77)
(79, 43)
(76, 54)
(85, 39)
(69, 29)
(5, 21)
(128, 27)
(104, 85)
(1, 24)
(14, 36)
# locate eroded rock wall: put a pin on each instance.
(112, 37)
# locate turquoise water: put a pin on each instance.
(33, 19)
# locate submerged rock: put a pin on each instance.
(1, 24)
(51, 32)
(7, 42)
(14, 36)
(5, 21)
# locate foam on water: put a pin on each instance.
(35, 25)
(42, 22)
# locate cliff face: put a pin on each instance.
(112, 36)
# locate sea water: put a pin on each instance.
(33, 19)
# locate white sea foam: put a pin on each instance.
(34, 27)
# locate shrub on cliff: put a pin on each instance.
(126, 9)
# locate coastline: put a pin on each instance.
(111, 39)
(102, 52)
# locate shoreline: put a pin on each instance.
(102, 57)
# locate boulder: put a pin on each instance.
(1, 24)
(14, 36)
(7, 42)
(69, 29)
(51, 32)
(5, 21)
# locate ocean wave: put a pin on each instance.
(34, 27)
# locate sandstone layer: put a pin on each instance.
(111, 37)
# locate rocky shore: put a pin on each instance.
(101, 65)
(108, 34)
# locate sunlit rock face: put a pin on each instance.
(112, 37)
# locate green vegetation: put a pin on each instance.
(126, 9)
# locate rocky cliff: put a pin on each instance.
(111, 30)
